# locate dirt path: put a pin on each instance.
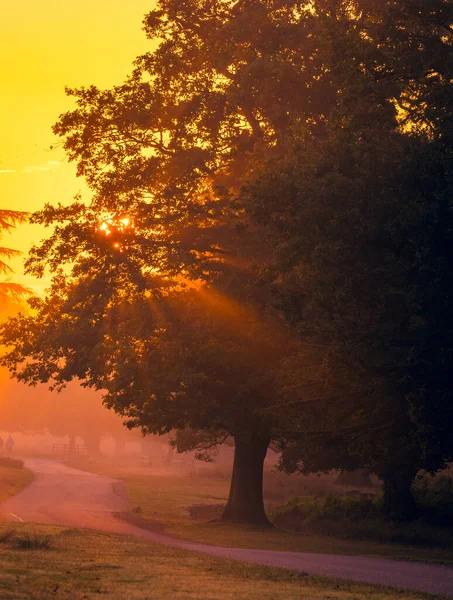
(65, 496)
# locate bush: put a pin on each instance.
(357, 516)
(11, 463)
(354, 506)
(303, 511)
(434, 496)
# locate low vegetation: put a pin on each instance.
(31, 541)
(319, 522)
(11, 463)
(5, 535)
(84, 565)
(13, 477)
(358, 517)
(434, 497)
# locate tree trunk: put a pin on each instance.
(398, 502)
(245, 503)
(72, 444)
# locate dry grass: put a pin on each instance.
(6, 535)
(85, 565)
(31, 541)
(12, 480)
(12, 463)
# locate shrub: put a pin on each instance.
(434, 496)
(357, 516)
(354, 506)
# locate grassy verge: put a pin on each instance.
(12, 480)
(165, 499)
(58, 563)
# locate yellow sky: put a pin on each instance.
(45, 46)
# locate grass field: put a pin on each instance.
(43, 562)
(165, 499)
(12, 480)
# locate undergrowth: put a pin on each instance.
(358, 516)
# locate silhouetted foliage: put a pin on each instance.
(361, 214)
(363, 263)
(10, 291)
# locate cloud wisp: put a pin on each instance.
(50, 165)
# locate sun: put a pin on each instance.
(117, 227)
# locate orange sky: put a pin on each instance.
(45, 46)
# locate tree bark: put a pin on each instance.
(398, 502)
(245, 502)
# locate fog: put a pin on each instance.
(74, 423)
(38, 418)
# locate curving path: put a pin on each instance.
(65, 496)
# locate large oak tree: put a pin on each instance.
(196, 115)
